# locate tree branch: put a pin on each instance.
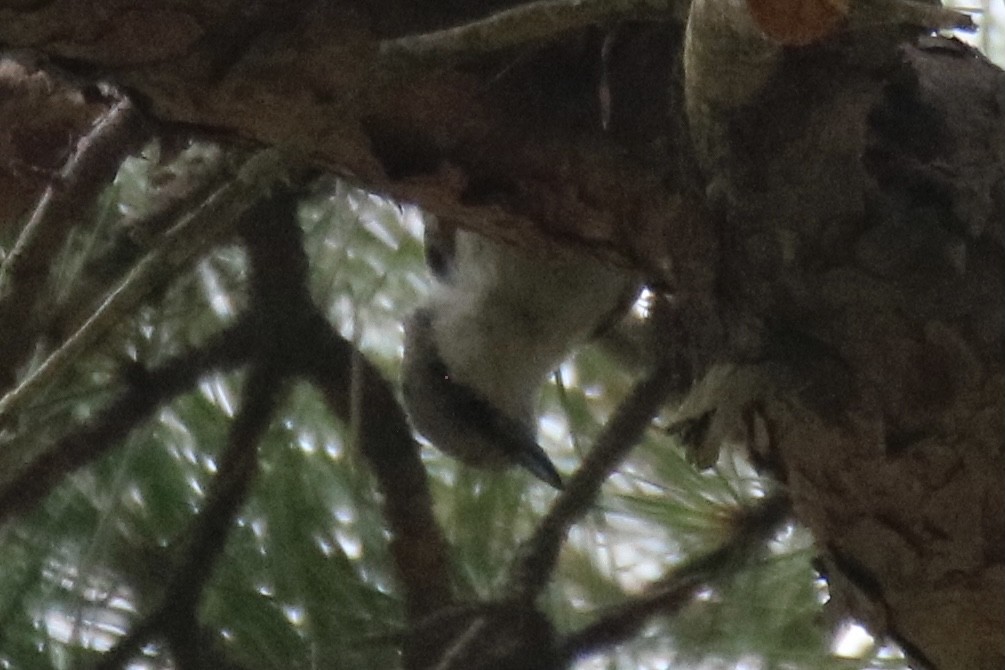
(25, 485)
(181, 186)
(175, 617)
(179, 246)
(533, 22)
(357, 394)
(498, 149)
(537, 557)
(752, 528)
(25, 272)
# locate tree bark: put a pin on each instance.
(510, 143)
(861, 190)
(849, 250)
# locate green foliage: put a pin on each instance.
(306, 578)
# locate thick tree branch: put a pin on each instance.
(499, 148)
(42, 113)
(863, 254)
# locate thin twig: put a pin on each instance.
(932, 16)
(181, 245)
(135, 236)
(752, 528)
(25, 271)
(525, 24)
(147, 391)
(460, 650)
(537, 557)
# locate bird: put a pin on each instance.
(497, 322)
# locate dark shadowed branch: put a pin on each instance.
(180, 188)
(536, 562)
(384, 438)
(179, 246)
(752, 528)
(147, 390)
(358, 395)
(529, 23)
(175, 617)
(64, 204)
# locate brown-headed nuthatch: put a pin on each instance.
(498, 322)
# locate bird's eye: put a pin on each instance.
(439, 262)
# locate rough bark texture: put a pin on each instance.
(862, 196)
(853, 258)
(513, 141)
(41, 116)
